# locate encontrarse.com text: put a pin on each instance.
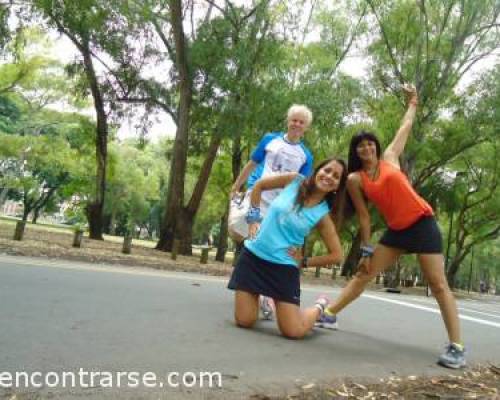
(89, 379)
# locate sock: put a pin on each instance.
(459, 346)
(320, 308)
(328, 312)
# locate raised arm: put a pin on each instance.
(242, 177)
(394, 150)
(272, 182)
(253, 217)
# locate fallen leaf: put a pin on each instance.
(360, 386)
(308, 386)
(495, 369)
(343, 394)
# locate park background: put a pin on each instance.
(133, 118)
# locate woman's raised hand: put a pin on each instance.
(410, 93)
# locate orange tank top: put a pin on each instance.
(394, 197)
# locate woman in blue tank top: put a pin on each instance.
(272, 255)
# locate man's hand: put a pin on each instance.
(235, 191)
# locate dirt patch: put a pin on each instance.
(42, 241)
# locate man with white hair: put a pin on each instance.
(276, 153)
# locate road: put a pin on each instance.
(64, 316)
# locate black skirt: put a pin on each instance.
(423, 237)
(254, 275)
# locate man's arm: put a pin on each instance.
(242, 177)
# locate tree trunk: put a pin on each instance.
(36, 214)
(185, 231)
(26, 212)
(95, 207)
(94, 217)
(175, 195)
(455, 264)
(394, 276)
(223, 236)
(352, 260)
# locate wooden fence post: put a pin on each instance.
(77, 238)
(204, 255)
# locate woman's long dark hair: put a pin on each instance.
(346, 206)
(307, 186)
(353, 161)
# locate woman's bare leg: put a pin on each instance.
(246, 308)
(293, 322)
(433, 269)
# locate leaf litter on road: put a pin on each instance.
(480, 382)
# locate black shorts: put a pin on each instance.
(254, 275)
(423, 237)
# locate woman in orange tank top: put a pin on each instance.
(411, 226)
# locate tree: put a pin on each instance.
(92, 26)
(432, 44)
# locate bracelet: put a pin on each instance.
(253, 215)
(367, 250)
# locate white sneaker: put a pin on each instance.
(266, 307)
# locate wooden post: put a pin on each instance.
(204, 255)
(19, 233)
(77, 238)
(127, 244)
(175, 249)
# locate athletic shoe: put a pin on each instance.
(267, 307)
(327, 321)
(453, 357)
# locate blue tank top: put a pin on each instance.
(285, 226)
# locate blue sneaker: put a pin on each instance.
(453, 357)
(327, 321)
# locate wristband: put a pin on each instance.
(367, 250)
(253, 215)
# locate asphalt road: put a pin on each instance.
(63, 316)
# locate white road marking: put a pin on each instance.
(432, 310)
(191, 277)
